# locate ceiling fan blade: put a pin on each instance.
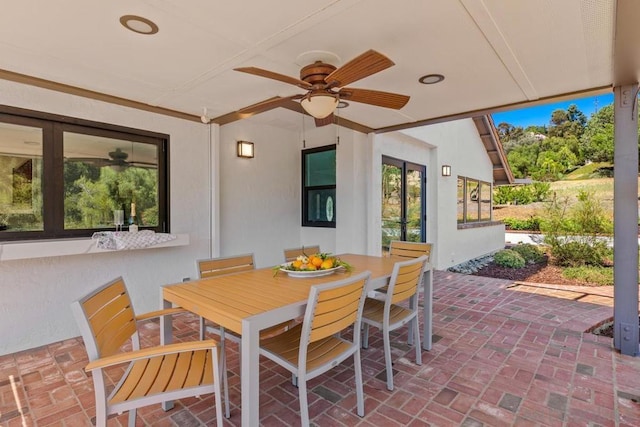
(374, 97)
(266, 105)
(326, 121)
(275, 76)
(368, 63)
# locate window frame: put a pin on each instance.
(53, 126)
(473, 205)
(306, 190)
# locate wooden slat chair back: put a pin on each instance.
(389, 314)
(315, 346)
(409, 249)
(107, 321)
(229, 265)
(293, 253)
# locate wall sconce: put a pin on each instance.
(245, 149)
(446, 170)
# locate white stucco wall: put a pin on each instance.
(35, 294)
(457, 144)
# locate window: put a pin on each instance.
(319, 187)
(474, 201)
(64, 177)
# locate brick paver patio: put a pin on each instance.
(504, 354)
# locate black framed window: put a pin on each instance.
(65, 177)
(319, 187)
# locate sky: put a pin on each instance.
(541, 114)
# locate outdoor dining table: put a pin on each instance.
(250, 301)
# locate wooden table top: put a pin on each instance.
(228, 299)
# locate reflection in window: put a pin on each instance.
(472, 200)
(319, 187)
(103, 174)
(20, 178)
(460, 200)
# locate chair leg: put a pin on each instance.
(304, 405)
(365, 335)
(217, 363)
(416, 335)
(357, 366)
(387, 358)
(132, 417)
(202, 328)
(225, 382)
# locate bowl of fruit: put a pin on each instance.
(316, 265)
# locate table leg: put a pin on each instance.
(166, 337)
(250, 373)
(427, 309)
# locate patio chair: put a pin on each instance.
(230, 265)
(293, 253)
(154, 375)
(315, 346)
(389, 315)
(409, 249)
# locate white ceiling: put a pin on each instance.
(492, 53)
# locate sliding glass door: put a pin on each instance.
(403, 201)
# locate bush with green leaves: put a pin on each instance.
(521, 194)
(531, 223)
(530, 253)
(509, 258)
(575, 233)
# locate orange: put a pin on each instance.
(296, 264)
(315, 261)
(327, 264)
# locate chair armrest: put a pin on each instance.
(146, 353)
(159, 313)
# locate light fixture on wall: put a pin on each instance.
(446, 170)
(319, 106)
(245, 149)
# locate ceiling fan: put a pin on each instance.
(117, 160)
(325, 86)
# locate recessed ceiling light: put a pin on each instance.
(342, 104)
(430, 79)
(138, 24)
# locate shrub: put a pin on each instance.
(531, 223)
(509, 258)
(521, 194)
(574, 235)
(530, 253)
(599, 275)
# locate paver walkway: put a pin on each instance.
(504, 354)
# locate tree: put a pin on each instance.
(596, 144)
(569, 122)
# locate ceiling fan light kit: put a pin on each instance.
(319, 106)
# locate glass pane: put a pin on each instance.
(322, 205)
(104, 174)
(460, 200)
(391, 204)
(20, 178)
(414, 206)
(320, 168)
(485, 201)
(473, 189)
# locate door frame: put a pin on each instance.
(405, 166)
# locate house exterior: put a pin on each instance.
(222, 205)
